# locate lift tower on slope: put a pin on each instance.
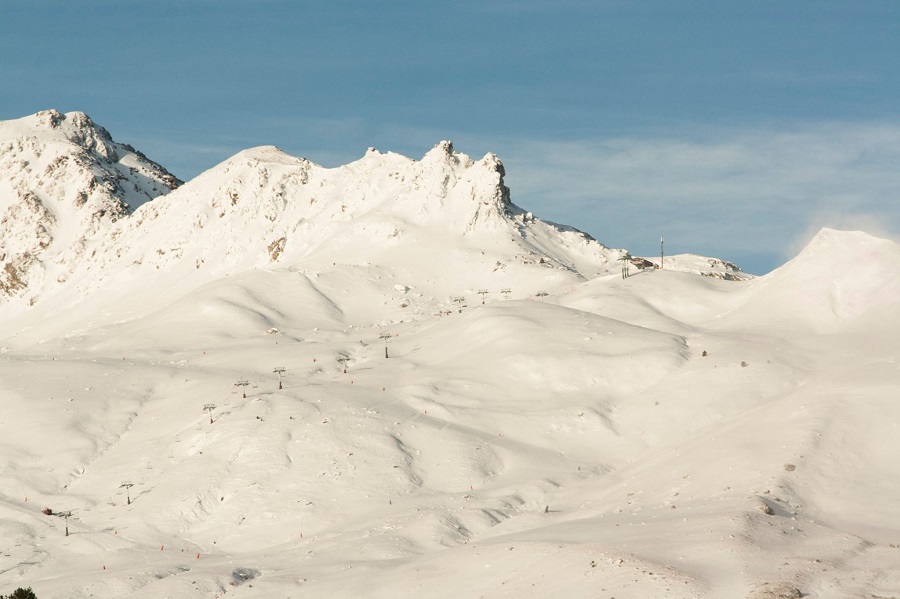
(280, 372)
(385, 336)
(625, 259)
(127, 486)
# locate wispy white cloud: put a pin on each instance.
(735, 193)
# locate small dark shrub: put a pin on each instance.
(21, 593)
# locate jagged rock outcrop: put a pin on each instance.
(64, 183)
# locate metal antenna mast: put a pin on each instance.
(662, 240)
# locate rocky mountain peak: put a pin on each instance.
(64, 182)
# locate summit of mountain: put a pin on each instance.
(63, 182)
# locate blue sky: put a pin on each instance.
(734, 129)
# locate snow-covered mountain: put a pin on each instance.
(265, 209)
(69, 230)
(63, 183)
(387, 380)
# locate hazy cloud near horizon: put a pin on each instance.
(732, 193)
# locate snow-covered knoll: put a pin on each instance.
(838, 277)
(662, 435)
(701, 265)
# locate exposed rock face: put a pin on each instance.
(64, 182)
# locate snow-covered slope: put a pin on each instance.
(63, 182)
(403, 434)
(838, 277)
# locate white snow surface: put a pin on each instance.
(540, 427)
